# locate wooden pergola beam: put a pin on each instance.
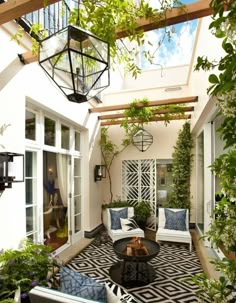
(191, 11)
(117, 122)
(13, 9)
(155, 112)
(150, 104)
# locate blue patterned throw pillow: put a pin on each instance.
(116, 215)
(175, 220)
(74, 283)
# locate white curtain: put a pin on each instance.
(62, 171)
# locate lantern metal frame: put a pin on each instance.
(7, 160)
(77, 61)
(99, 172)
(142, 140)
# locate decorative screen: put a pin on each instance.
(139, 184)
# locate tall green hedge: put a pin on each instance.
(181, 169)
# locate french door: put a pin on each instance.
(76, 203)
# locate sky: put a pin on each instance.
(177, 51)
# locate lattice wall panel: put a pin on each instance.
(139, 184)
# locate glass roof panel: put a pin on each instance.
(174, 51)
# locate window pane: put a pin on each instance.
(77, 223)
(77, 190)
(200, 182)
(77, 204)
(30, 125)
(29, 219)
(65, 135)
(29, 191)
(29, 164)
(49, 132)
(30, 177)
(77, 141)
(77, 167)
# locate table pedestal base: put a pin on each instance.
(132, 274)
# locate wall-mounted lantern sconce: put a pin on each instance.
(99, 172)
(11, 169)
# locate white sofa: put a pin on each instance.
(114, 293)
(117, 234)
(172, 235)
(46, 295)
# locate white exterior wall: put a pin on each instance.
(164, 138)
(28, 83)
(19, 83)
(152, 85)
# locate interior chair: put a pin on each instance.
(173, 226)
(119, 223)
(47, 217)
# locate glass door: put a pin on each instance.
(76, 201)
(200, 183)
(55, 199)
(164, 182)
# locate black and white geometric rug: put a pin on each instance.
(174, 266)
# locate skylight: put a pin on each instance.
(170, 52)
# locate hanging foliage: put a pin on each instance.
(222, 230)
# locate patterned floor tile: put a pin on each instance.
(174, 268)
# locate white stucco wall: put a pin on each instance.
(20, 83)
(152, 85)
(164, 138)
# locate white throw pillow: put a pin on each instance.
(128, 224)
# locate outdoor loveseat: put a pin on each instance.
(79, 288)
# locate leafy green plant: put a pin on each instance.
(181, 169)
(115, 21)
(115, 204)
(111, 20)
(212, 290)
(222, 230)
(135, 116)
(109, 151)
(141, 213)
(27, 267)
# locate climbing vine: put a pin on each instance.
(136, 115)
(222, 230)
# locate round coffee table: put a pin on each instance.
(133, 269)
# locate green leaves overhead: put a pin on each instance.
(106, 18)
(222, 231)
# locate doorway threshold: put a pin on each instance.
(72, 251)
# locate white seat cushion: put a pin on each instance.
(117, 234)
(172, 235)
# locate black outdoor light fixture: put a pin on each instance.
(99, 172)
(11, 169)
(77, 61)
(142, 140)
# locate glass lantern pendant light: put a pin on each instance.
(77, 61)
(142, 140)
